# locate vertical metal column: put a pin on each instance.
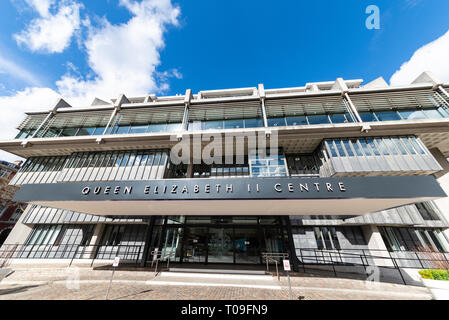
(352, 106)
(292, 252)
(148, 237)
(110, 120)
(48, 117)
(262, 105)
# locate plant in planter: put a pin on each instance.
(436, 278)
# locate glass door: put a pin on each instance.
(220, 245)
(247, 246)
(195, 245)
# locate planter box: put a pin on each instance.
(439, 288)
(4, 272)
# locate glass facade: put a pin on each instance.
(405, 114)
(414, 239)
(384, 146)
(298, 120)
(215, 239)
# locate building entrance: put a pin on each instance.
(230, 240)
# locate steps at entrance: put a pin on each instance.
(216, 274)
(218, 271)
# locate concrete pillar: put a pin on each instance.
(21, 231)
(91, 250)
(376, 246)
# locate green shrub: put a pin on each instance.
(434, 274)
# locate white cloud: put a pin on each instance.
(51, 33)
(431, 57)
(41, 6)
(14, 70)
(13, 110)
(123, 59)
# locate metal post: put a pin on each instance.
(264, 113)
(110, 283)
(110, 121)
(42, 124)
(289, 286)
(443, 91)
(352, 107)
(277, 271)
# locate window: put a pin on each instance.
(427, 211)
(297, 121)
(339, 118)
(409, 239)
(388, 115)
(412, 114)
(4, 173)
(326, 238)
(2, 209)
(267, 166)
(16, 215)
(368, 116)
(276, 122)
(318, 119)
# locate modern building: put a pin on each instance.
(10, 211)
(223, 176)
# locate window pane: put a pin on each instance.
(357, 148)
(340, 148)
(348, 148)
(85, 131)
(318, 119)
(296, 121)
(382, 147)
(412, 114)
(232, 124)
(387, 115)
(367, 116)
(408, 145)
(432, 114)
(210, 125)
(365, 147)
(157, 127)
(138, 129)
(331, 146)
(373, 147)
(173, 127)
(338, 118)
(122, 130)
(276, 122)
(253, 123)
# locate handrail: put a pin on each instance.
(159, 257)
(273, 258)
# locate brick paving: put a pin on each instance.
(57, 284)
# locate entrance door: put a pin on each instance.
(220, 245)
(247, 245)
(195, 246)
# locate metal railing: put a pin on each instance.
(161, 255)
(274, 257)
(127, 253)
(371, 257)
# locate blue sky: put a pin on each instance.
(80, 49)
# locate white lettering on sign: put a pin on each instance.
(210, 189)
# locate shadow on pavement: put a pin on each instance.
(16, 290)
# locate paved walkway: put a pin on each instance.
(88, 284)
